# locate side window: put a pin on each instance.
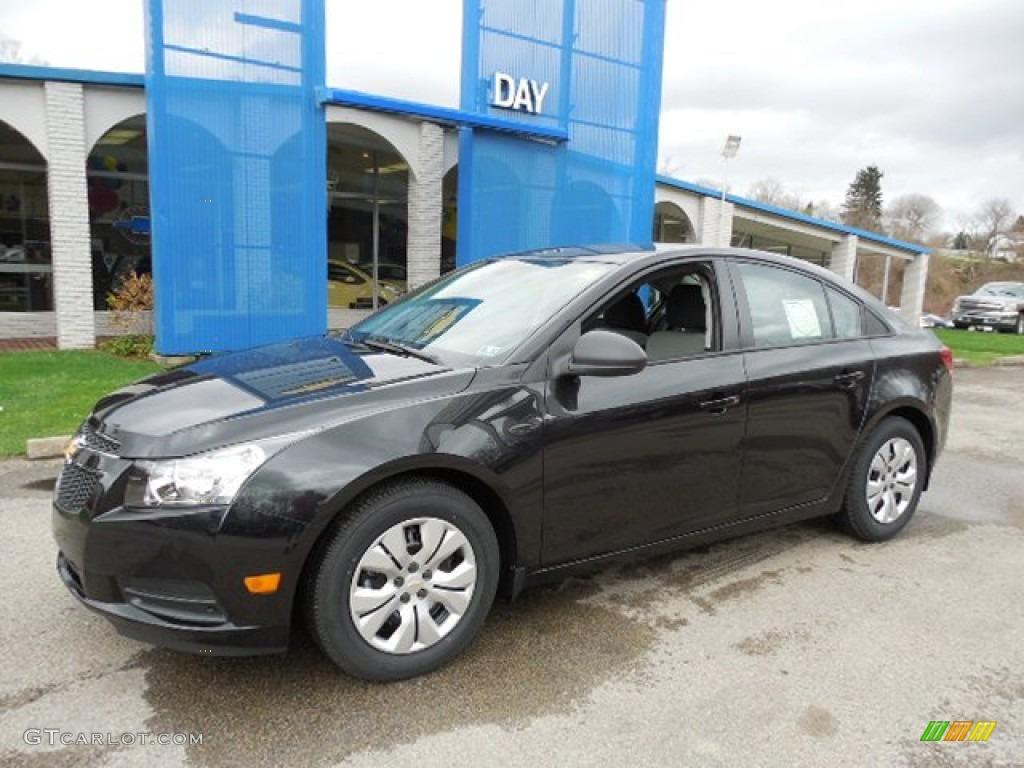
(846, 315)
(671, 314)
(875, 326)
(785, 308)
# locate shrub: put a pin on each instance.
(132, 345)
(131, 305)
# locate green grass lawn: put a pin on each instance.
(45, 393)
(978, 347)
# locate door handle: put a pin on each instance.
(849, 379)
(720, 405)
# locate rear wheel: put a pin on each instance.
(886, 482)
(405, 581)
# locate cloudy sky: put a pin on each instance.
(931, 91)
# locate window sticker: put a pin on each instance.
(803, 319)
(488, 351)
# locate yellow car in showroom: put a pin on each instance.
(350, 287)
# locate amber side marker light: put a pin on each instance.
(263, 584)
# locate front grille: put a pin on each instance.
(979, 304)
(97, 441)
(75, 486)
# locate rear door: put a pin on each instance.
(809, 370)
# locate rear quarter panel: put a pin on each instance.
(910, 374)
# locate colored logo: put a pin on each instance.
(958, 730)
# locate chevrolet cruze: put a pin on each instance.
(516, 419)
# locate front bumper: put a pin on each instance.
(223, 639)
(166, 577)
(986, 319)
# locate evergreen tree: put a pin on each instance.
(863, 205)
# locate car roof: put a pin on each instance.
(626, 254)
(639, 257)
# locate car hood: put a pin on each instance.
(987, 299)
(293, 387)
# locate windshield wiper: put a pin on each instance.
(397, 348)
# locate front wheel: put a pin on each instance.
(404, 582)
(886, 482)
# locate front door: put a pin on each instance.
(643, 458)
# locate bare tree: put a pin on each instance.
(773, 192)
(823, 209)
(913, 217)
(995, 217)
(11, 53)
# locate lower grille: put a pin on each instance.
(76, 486)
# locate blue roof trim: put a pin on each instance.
(792, 215)
(89, 76)
(446, 115)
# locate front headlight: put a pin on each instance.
(212, 478)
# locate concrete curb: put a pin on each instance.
(46, 447)
(1013, 361)
(1010, 361)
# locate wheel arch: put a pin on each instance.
(921, 421)
(466, 479)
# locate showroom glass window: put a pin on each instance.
(367, 218)
(26, 263)
(117, 175)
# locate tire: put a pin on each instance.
(886, 482)
(960, 326)
(381, 613)
(1019, 328)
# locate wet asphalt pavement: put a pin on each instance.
(794, 647)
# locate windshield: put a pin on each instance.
(1002, 289)
(479, 315)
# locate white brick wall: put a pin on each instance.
(69, 215)
(27, 325)
(843, 260)
(715, 223)
(425, 207)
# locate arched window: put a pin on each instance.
(117, 173)
(26, 263)
(367, 218)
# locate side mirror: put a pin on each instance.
(606, 353)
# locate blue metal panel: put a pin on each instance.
(443, 115)
(237, 171)
(602, 62)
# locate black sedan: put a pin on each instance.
(514, 420)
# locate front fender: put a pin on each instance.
(291, 499)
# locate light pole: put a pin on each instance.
(729, 150)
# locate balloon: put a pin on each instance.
(102, 198)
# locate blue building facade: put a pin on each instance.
(558, 145)
(267, 205)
